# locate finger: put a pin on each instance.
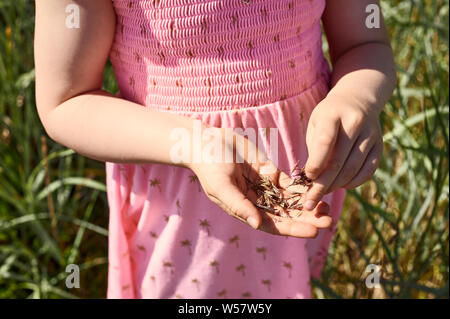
(284, 180)
(320, 146)
(318, 217)
(369, 167)
(233, 201)
(286, 226)
(322, 208)
(344, 144)
(354, 162)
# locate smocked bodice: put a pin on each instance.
(216, 55)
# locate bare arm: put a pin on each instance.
(363, 62)
(74, 110)
(344, 135)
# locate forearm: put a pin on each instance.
(366, 73)
(105, 128)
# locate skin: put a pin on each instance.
(225, 185)
(344, 136)
(69, 71)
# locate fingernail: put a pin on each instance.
(252, 222)
(310, 204)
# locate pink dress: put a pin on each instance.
(230, 63)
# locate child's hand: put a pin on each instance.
(225, 185)
(345, 145)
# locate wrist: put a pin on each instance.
(365, 101)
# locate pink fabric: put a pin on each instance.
(235, 63)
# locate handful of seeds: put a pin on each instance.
(286, 203)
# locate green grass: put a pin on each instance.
(53, 207)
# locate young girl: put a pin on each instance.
(245, 64)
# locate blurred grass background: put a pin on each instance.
(53, 206)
